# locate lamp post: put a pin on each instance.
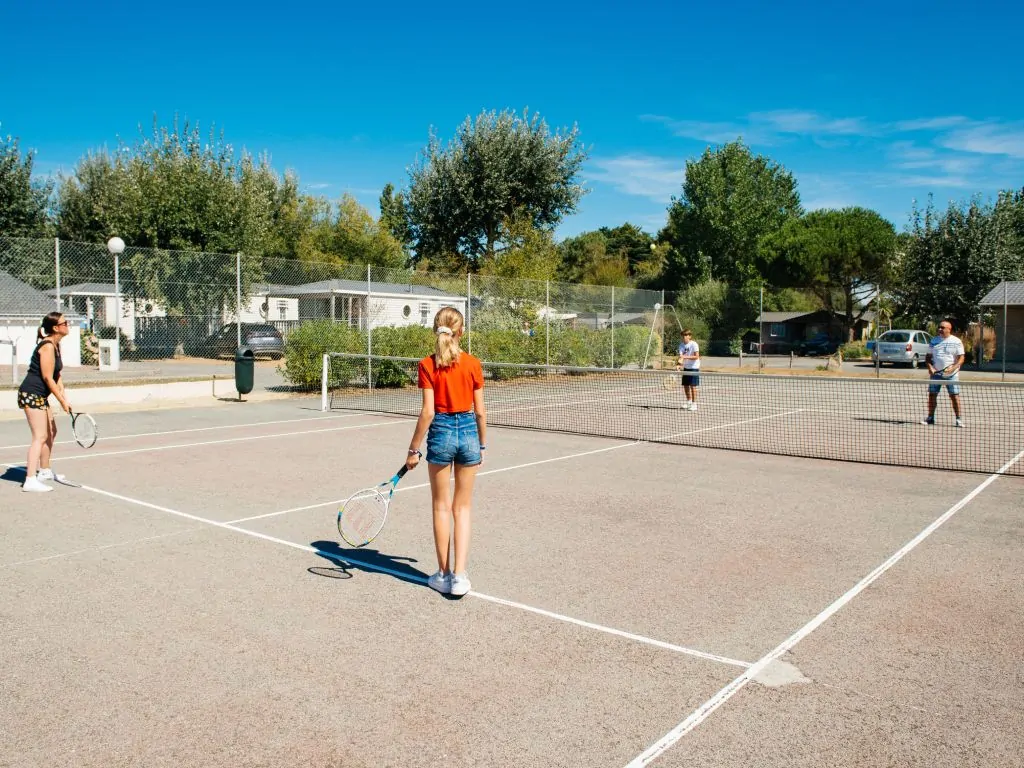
(116, 247)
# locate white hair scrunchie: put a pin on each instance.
(443, 329)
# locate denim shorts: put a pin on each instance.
(937, 380)
(453, 437)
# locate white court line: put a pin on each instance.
(700, 714)
(508, 469)
(98, 548)
(420, 580)
(334, 502)
(220, 442)
(199, 429)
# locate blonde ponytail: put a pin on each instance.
(448, 327)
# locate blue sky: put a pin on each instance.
(872, 104)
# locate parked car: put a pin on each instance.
(901, 347)
(818, 344)
(261, 338)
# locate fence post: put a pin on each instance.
(324, 370)
(547, 322)
(238, 297)
(369, 332)
(56, 267)
(613, 326)
(878, 320)
(469, 312)
(760, 332)
(1006, 329)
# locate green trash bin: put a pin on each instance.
(245, 362)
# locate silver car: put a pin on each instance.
(904, 347)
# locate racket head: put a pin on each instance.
(672, 381)
(84, 428)
(361, 517)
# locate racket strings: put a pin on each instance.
(362, 517)
(84, 429)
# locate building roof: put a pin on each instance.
(85, 289)
(358, 287)
(1009, 291)
(18, 299)
(785, 317)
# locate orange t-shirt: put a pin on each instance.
(453, 386)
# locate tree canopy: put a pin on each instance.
(24, 202)
(499, 168)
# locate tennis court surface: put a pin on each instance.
(634, 602)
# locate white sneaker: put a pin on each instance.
(959, 423)
(35, 485)
(460, 584)
(49, 474)
(441, 582)
(693, 406)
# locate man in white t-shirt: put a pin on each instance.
(945, 356)
(689, 362)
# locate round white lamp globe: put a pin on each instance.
(115, 245)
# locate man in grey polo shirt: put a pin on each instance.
(945, 356)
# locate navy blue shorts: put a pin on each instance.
(691, 378)
(453, 437)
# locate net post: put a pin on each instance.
(760, 331)
(878, 320)
(323, 381)
(56, 267)
(369, 332)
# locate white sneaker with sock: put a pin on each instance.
(959, 422)
(440, 582)
(35, 485)
(49, 474)
(460, 584)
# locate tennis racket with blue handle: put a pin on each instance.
(362, 516)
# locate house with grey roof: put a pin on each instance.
(22, 309)
(782, 332)
(1006, 302)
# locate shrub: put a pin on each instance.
(306, 346)
(855, 350)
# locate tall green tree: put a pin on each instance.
(841, 256)
(24, 202)
(730, 200)
(193, 200)
(498, 168)
(950, 260)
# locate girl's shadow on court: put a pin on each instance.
(369, 560)
(14, 475)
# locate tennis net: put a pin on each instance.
(876, 421)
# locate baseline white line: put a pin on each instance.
(98, 548)
(336, 557)
(198, 429)
(700, 714)
(77, 456)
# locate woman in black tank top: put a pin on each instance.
(42, 380)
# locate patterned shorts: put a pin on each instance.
(31, 400)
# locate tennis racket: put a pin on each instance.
(363, 514)
(672, 381)
(949, 371)
(84, 428)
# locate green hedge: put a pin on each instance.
(580, 347)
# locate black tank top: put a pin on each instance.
(33, 382)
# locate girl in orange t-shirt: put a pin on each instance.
(454, 420)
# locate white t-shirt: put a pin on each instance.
(945, 351)
(691, 348)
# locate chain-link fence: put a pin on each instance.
(162, 304)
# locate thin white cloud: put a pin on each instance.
(930, 123)
(318, 185)
(988, 138)
(656, 178)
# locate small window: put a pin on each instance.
(425, 313)
(282, 310)
(778, 330)
(406, 310)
